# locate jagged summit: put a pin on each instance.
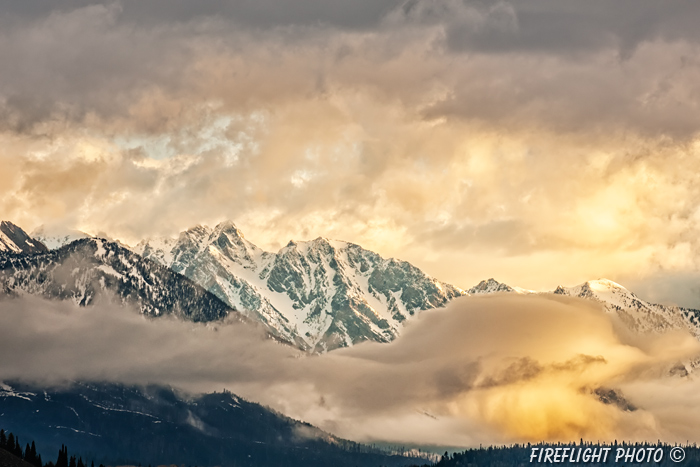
(15, 240)
(228, 227)
(490, 286)
(319, 244)
(321, 294)
(493, 286)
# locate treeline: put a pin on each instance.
(584, 453)
(10, 443)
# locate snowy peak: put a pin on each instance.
(605, 284)
(228, 228)
(320, 294)
(53, 237)
(601, 289)
(195, 236)
(637, 314)
(343, 294)
(15, 240)
(224, 241)
(490, 286)
(493, 286)
(230, 242)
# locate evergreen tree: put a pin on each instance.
(72, 462)
(3, 439)
(10, 443)
(62, 460)
(80, 462)
(18, 449)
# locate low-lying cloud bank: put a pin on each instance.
(484, 370)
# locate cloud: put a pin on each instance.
(486, 369)
(497, 135)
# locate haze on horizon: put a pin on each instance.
(538, 142)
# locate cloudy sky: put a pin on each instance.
(540, 142)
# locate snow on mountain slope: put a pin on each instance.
(321, 294)
(637, 314)
(493, 286)
(15, 240)
(90, 270)
(54, 238)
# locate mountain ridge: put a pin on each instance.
(15, 240)
(321, 294)
(637, 314)
(88, 270)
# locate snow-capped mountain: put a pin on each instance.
(637, 314)
(54, 238)
(15, 240)
(493, 286)
(320, 294)
(90, 270)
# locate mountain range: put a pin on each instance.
(318, 295)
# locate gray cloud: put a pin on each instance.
(555, 26)
(83, 58)
(264, 13)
